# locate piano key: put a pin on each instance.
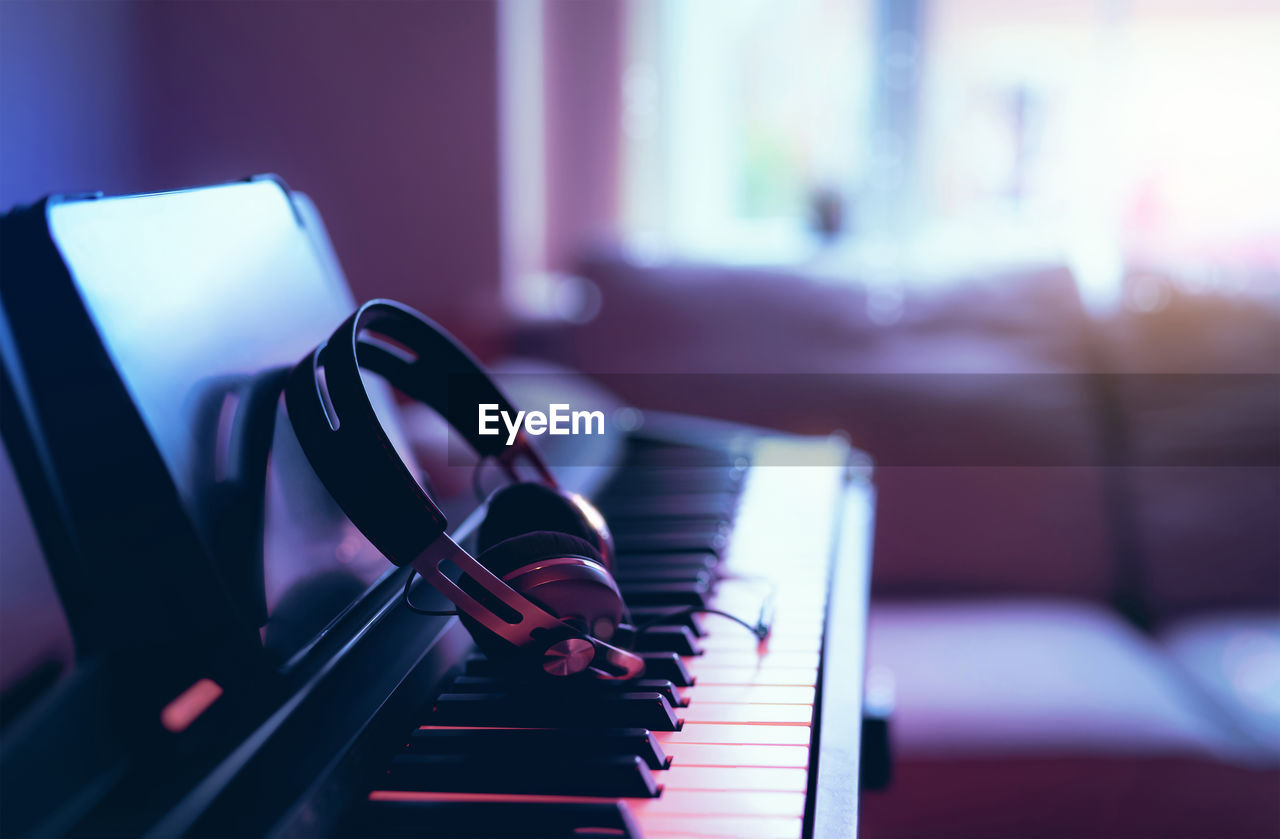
(671, 543)
(499, 685)
(671, 803)
(530, 744)
(700, 504)
(671, 617)
(763, 735)
(677, 802)
(716, 642)
(722, 633)
(676, 639)
(700, 527)
(771, 694)
(716, 827)
(734, 754)
(744, 642)
(803, 609)
(747, 713)
(672, 595)
(667, 666)
(804, 676)
(626, 710)
(615, 777)
(639, 573)
(479, 666)
(481, 819)
(767, 657)
(768, 779)
(702, 561)
(649, 482)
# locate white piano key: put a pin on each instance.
(705, 802)
(772, 694)
(771, 779)
(720, 754)
(747, 714)
(721, 827)
(753, 658)
(718, 640)
(804, 676)
(696, 732)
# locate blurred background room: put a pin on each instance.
(1026, 255)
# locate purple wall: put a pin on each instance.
(584, 46)
(68, 99)
(385, 113)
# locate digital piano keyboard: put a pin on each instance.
(724, 736)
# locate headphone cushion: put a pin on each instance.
(526, 508)
(509, 554)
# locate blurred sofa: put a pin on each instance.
(1077, 572)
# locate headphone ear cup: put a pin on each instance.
(528, 507)
(560, 573)
(527, 548)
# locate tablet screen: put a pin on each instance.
(192, 293)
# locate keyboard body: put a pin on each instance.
(724, 737)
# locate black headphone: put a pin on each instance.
(540, 595)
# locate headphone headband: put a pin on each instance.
(429, 365)
(339, 431)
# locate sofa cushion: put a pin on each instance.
(1199, 394)
(1048, 719)
(1234, 658)
(1045, 677)
(1074, 797)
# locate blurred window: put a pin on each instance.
(1104, 131)
(736, 112)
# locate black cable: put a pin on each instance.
(417, 611)
(760, 628)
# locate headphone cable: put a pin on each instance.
(761, 628)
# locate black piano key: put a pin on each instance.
(684, 525)
(638, 573)
(670, 543)
(704, 528)
(673, 639)
(645, 614)
(696, 561)
(479, 667)
(626, 710)
(717, 504)
(487, 819)
(669, 595)
(615, 777)
(666, 666)
(499, 685)
(631, 483)
(624, 520)
(531, 745)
